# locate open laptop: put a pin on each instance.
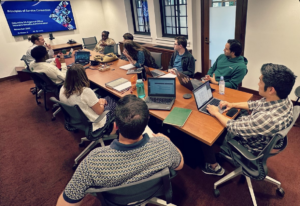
(203, 97)
(187, 82)
(154, 73)
(109, 49)
(82, 57)
(161, 93)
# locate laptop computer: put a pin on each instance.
(203, 97)
(154, 73)
(185, 81)
(82, 57)
(109, 49)
(161, 93)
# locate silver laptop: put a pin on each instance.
(82, 57)
(154, 73)
(161, 93)
(203, 97)
(187, 82)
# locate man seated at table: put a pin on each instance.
(136, 156)
(231, 65)
(38, 40)
(272, 113)
(40, 65)
(126, 36)
(182, 59)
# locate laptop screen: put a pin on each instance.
(165, 87)
(82, 56)
(202, 94)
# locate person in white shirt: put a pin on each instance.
(40, 54)
(38, 40)
(76, 91)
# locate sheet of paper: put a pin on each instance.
(169, 75)
(127, 66)
(123, 86)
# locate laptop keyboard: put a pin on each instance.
(213, 102)
(159, 100)
(155, 73)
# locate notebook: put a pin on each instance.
(82, 57)
(178, 116)
(161, 93)
(119, 85)
(203, 97)
(127, 67)
(153, 73)
(187, 82)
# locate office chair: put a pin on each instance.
(76, 119)
(251, 166)
(297, 93)
(111, 49)
(137, 193)
(24, 58)
(89, 43)
(157, 58)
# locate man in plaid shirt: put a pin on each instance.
(272, 113)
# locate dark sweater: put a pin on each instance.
(187, 63)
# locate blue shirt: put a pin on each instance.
(177, 62)
(140, 59)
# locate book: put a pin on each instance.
(127, 66)
(120, 84)
(178, 116)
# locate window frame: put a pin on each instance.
(164, 19)
(133, 10)
(223, 2)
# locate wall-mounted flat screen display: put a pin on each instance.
(31, 17)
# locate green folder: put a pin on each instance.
(178, 116)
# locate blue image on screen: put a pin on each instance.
(31, 17)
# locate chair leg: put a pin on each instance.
(45, 103)
(54, 113)
(231, 175)
(273, 181)
(157, 201)
(251, 190)
(37, 95)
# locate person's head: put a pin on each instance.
(105, 35)
(133, 48)
(37, 39)
(127, 36)
(76, 80)
(131, 116)
(39, 53)
(233, 48)
(180, 43)
(276, 80)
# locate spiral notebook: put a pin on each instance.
(178, 116)
(119, 85)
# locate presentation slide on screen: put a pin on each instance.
(158, 86)
(30, 17)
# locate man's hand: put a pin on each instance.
(102, 101)
(213, 110)
(211, 79)
(48, 46)
(227, 104)
(160, 135)
(172, 71)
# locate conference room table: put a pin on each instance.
(201, 126)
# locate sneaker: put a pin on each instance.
(210, 171)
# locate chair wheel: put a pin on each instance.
(53, 119)
(81, 144)
(75, 166)
(280, 192)
(216, 192)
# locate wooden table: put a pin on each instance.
(199, 125)
(57, 48)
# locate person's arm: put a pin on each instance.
(236, 78)
(62, 202)
(89, 97)
(110, 42)
(191, 68)
(238, 105)
(213, 68)
(99, 106)
(214, 111)
(50, 50)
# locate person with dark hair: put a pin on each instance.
(40, 54)
(38, 40)
(105, 41)
(76, 91)
(138, 55)
(231, 65)
(182, 59)
(126, 36)
(271, 114)
(133, 157)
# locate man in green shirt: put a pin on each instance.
(231, 65)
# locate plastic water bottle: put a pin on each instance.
(222, 85)
(140, 88)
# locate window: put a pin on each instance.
(222, 3)
(140, 16)
(174, 18)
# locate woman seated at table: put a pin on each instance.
(105, 41)
(76, 91)
(138, 55)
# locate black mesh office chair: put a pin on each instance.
(137, 193)
(89, 43)
(24, 58)
(76, 119)
(38, 84)
(297, 93)
(251, 166)
(157, 58)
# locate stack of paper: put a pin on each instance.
(127, 66)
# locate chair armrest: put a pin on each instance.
(243, 151)
(101, 116)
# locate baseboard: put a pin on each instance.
(13, 77)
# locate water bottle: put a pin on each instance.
(222, 85)
(140, 88)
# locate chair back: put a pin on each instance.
(24, 58)
(255, 166)
(111, 49)
(157, 58)
(89, 43)
(136, 193)
(47, 84)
